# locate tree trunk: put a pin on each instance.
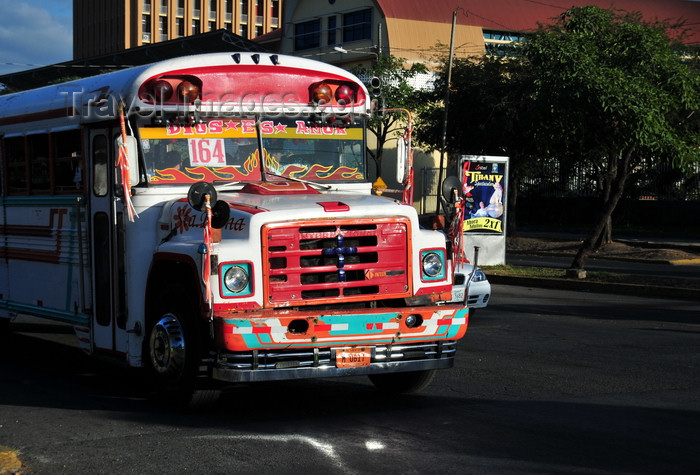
(605, 235)
(617, 187)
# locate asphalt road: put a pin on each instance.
(544, 382)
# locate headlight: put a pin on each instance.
(432, 264)
(479, 275)
(236, 279)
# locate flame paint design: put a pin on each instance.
(251, 172)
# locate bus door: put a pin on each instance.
(107, 235)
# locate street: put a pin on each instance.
(544, 382)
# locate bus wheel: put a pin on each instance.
(401, 383)
(172, 352)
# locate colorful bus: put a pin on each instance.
(209, 218)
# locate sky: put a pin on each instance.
(35, 33)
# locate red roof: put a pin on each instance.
(524, 15)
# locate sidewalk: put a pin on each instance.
(646, 248)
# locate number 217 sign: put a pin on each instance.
(207, 152)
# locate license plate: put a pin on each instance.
(458, 295)
(353, 357)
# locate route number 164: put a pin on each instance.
(207, 152)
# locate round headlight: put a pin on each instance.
(432, 264)
(236, 279)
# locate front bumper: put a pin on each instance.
(292, 344)
(321, 362)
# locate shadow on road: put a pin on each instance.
(538, 433)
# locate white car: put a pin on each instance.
(479, 286)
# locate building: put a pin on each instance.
(352, 31)
(101, 27)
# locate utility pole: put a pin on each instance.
(447, 104)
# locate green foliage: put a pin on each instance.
(396, 92)
(489, 108)
(607, 82)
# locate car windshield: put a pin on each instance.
(227, 151)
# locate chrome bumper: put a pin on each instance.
(276, 365)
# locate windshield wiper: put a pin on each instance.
(313, 183)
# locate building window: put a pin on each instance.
(502, 43)
(332, 26)
(307, 35)
(147, 6)
(196, 22)
(212, 10)
(145, 28)
(163, 7)
(228, 11)
(244, 11)
(180, 27)
(163, 28)
(274, 13)
(357, 26)
(258, 12)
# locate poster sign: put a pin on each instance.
(483, 186)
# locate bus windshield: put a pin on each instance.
(227, 150)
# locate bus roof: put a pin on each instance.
(258, 82)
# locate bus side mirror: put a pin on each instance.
(401, 158)
(132, 151)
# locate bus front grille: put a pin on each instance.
(337, 260)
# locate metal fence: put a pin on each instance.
(550, 179)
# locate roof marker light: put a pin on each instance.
(162, 90)
(187, 91)
(343, 95)
(322, 94)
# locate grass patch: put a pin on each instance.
(592, 276)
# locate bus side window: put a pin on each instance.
(68, 164)
(100, 182)
(39, 169)
(16, 166)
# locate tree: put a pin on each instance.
(488, 114)
(612, 90)
(396, 92)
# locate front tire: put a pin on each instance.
(173, 351)
(402, 383)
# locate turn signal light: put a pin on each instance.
(187, 91)
(322, 94)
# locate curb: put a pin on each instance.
(600, 287)
(610, 258)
